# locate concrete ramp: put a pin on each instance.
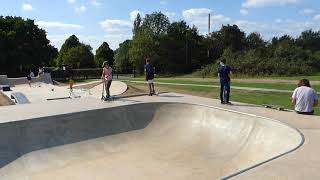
(19, 98)
(141, 142)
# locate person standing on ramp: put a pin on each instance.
(149, 71)
(106, 78)
(224, 75)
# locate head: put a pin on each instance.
(223, 61)
(304, 82)
(148, 60)
(105, 64)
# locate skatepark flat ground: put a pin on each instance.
(194, 153)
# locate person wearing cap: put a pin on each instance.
(107, 77)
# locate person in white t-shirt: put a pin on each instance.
(304, 98)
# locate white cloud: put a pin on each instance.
(199, 18)
(244, 12)
(116, 25)
(265, 3)
(316, 17)
(81, 9)
(170, 15)
(58, 39)
(96, 3)
(163, 3)
(277, 28)
(57, 24)
(72, 1)
(194, 14)
(307, 11)
(27, 7)
(115, 39)
(134, 14)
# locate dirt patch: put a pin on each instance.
(5, 100)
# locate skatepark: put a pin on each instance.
(169, 136)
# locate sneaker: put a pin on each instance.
(229, 103)
(222, 102)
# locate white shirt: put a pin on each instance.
(305, 98)
(31, 74)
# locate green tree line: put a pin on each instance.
(174, 48)
(23, 46)
(177, 48)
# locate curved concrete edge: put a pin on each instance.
(58, 128)
(20, 98)
(268, 160)
(45, 78)
(117, 88)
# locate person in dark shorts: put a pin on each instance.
(224, 76)
(149, 71)
(29, 79)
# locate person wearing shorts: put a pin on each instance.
(149, 72)
(304, 98)
(29, 79)
(107, 78)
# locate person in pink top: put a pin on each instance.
(107, 77)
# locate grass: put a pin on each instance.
(251, 97)
(200, 81)
(314, 77)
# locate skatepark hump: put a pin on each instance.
(142, 142)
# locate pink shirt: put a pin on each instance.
(107, 73)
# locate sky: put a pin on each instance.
(96, 21)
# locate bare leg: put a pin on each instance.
(150, 89)
(152, 85)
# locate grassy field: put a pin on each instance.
(251, 97)
(314, 77)
(200, 81)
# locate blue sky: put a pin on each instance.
(95, 21)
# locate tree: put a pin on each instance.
(136, 24)
(122, 62)
(79, 57)
(75, 54)
(23, 46)
(70, 42)
(309, 40)
(229, 37)
(104, 53)
(254, 41)
(156, 23)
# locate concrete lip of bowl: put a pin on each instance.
(147, 141)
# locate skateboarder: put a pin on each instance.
(224, 76)
(304, 98)
(149, 72)
(107, 78)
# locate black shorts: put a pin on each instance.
(29, 78)
(149, 77)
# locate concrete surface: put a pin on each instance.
(180, 141)
(39, 92)
(19, 98)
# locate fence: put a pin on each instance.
(83, 74)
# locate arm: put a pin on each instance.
(294, 101)
(102, 75)
(294, 97)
